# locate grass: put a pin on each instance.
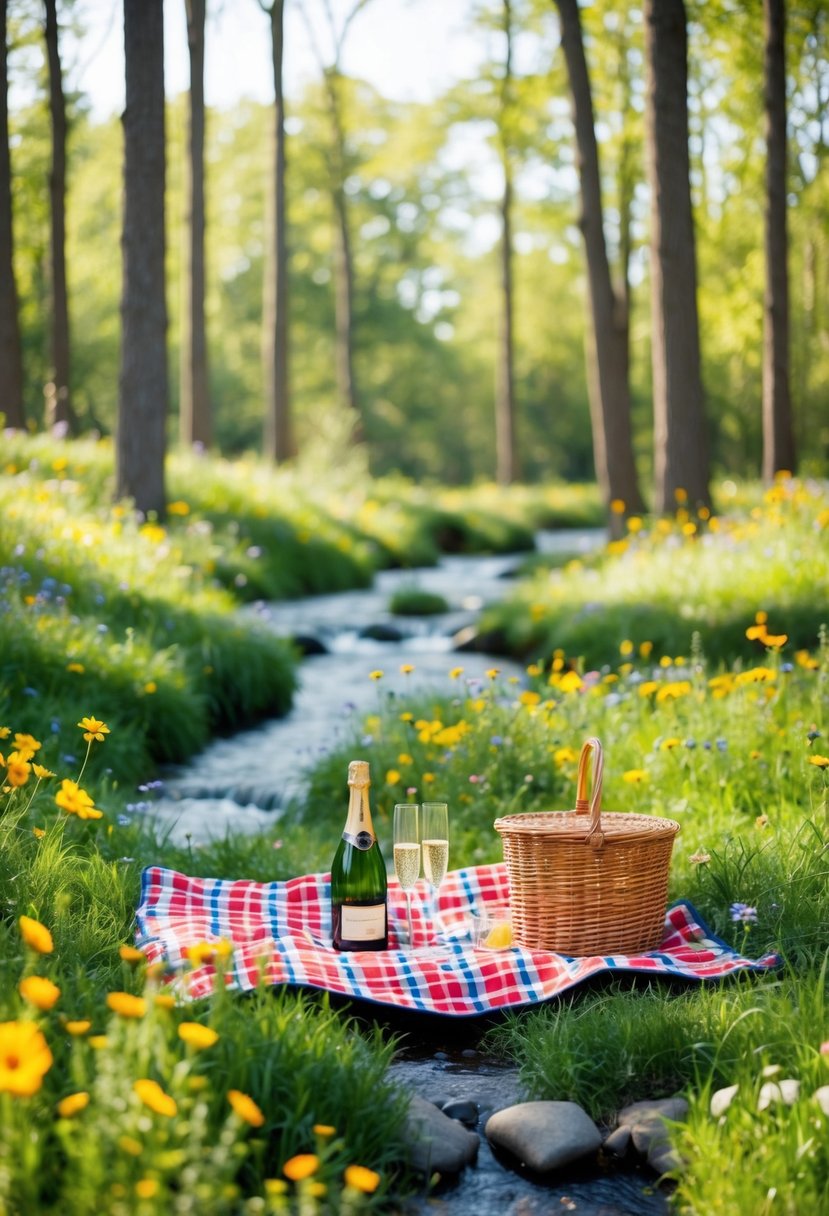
(415, 601)
(725, 732)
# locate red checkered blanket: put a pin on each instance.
(280, 933)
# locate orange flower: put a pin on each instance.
(75, 801)
(196, 1035)
(301, 1167)
(18, 768)
(35, 935)
(129, 954)
(73, 1104)
(361, 1179)
(25, 1058)
(78, 1027)
(39, 991)
(245, 1108)
(94, 730)
(153, 1096)
(127, 1005)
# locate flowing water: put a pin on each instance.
(245, 782)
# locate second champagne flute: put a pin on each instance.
(406, 853)
(434, 841)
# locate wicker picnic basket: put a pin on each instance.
(587, 882)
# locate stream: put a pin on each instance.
(245, 782)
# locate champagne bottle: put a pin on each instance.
(359, 914)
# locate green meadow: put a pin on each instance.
(695, 649)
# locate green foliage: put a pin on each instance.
(414, 601)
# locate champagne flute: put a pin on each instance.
(435, 845)
(406, 853)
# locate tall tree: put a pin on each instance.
(278, 430)
(332, 77)
(58, 400)
(142, 403)
(195, 413)
(506, 455)
(680, 435)
(778, 430)
(608, 344)
(11, 355)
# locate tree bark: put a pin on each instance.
(11, 351)
(58, 400)
(343, 261)
(194, 406)
(506, 462)
(778, 429)
(278, 431)
(607, 344)
(142, 405)
(680, 433)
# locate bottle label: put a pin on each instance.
(363, 922)
(361, 840)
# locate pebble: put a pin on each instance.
(464, 1112)
(649, 1132)
(438, 1144)
(544, 1135)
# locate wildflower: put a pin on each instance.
(275, 1186)
(38, 833)
(673, 690)
(126, 1005)
(300, 1167)
(617, 506)
(178, 508)
(208, 952)
(428, 778)
(645, 649)
(761, 821)
(744, 913)
(153, 1096)
(406, 716)
(196, 1035)
(323, 1129)
(245, 1108)
(819, 761)
(164, 1000)
(25, 1058)
(75, 801)
(636, 776)
(375, 675)
(626, 647)
(78, 1027)
(455, 672)
(571, 681)
(42, 773)
(150, 687)
(647, 687)
(37, 990)
(668, 745)
(5, 731)
(146, 1188)
(73, 1104)
(564, 755)
(94, 729)
(534, 669)
(361, 1179)
(78, 668)
(129, 954)
(35, 935)
(805, 660)
(27, 744)
(98, 1041)
(756, 633)
(392, 777)
(634, 524)
(700, 858)
(404, 758)
(680, 495)
(406, 669)
(529, 698)
(18, 769)
(492, 672)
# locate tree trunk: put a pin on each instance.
(608, 384)
(505, 445)
(11, 354)
(278, 434)
(194, 407)
(142, 405)
(680, 435)
(778, 430)
(343, 261)
(58, 401)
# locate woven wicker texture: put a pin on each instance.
(588, 882)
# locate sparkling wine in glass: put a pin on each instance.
(406, 853)
(434, 841)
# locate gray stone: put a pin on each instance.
(382, 633)
(647, 1121)
(438, 1144)
(785, 1091)
(544, 1135)
(675, 1109)
(664, 1159)
(821, 1096)
(618, 1142)
(721, 1099)
(465, 1112)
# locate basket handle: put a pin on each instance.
(591, 748)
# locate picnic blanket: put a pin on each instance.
(280, 934)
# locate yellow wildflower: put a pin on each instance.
(42, 773)
(565, 755)
(668, 745)
(75, 801)
(492, 672)
(129, 1144)
(94, 729)
(647, 687)
(404, 758)
(38, 833)
(626, 647)
(455, 672)
(18, 769)
(635, 776)
(529, 698)
(129, 954)
(178, 507)
(208, 952)
(300, 1167)
(645, 649)
(5, 731)
(39, 991)
(323, 1129)
(196, 1035)
(164, 1000)
(245, 1108)
(359, 1178)
(126, 1005)
(78, 1027)
(617, 506)
(406, 669)
(73, 1104)
(153, 1096)
(805, 660)
(392, 776)
(634, 524)
(98, 1041)
(78, 668)
(375, 675)
(26, 744)
(819, 761)
(571, 681)
(146, 1188)
(25, 1058)
(275, 1186)
(35, 935)
(673, 690)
